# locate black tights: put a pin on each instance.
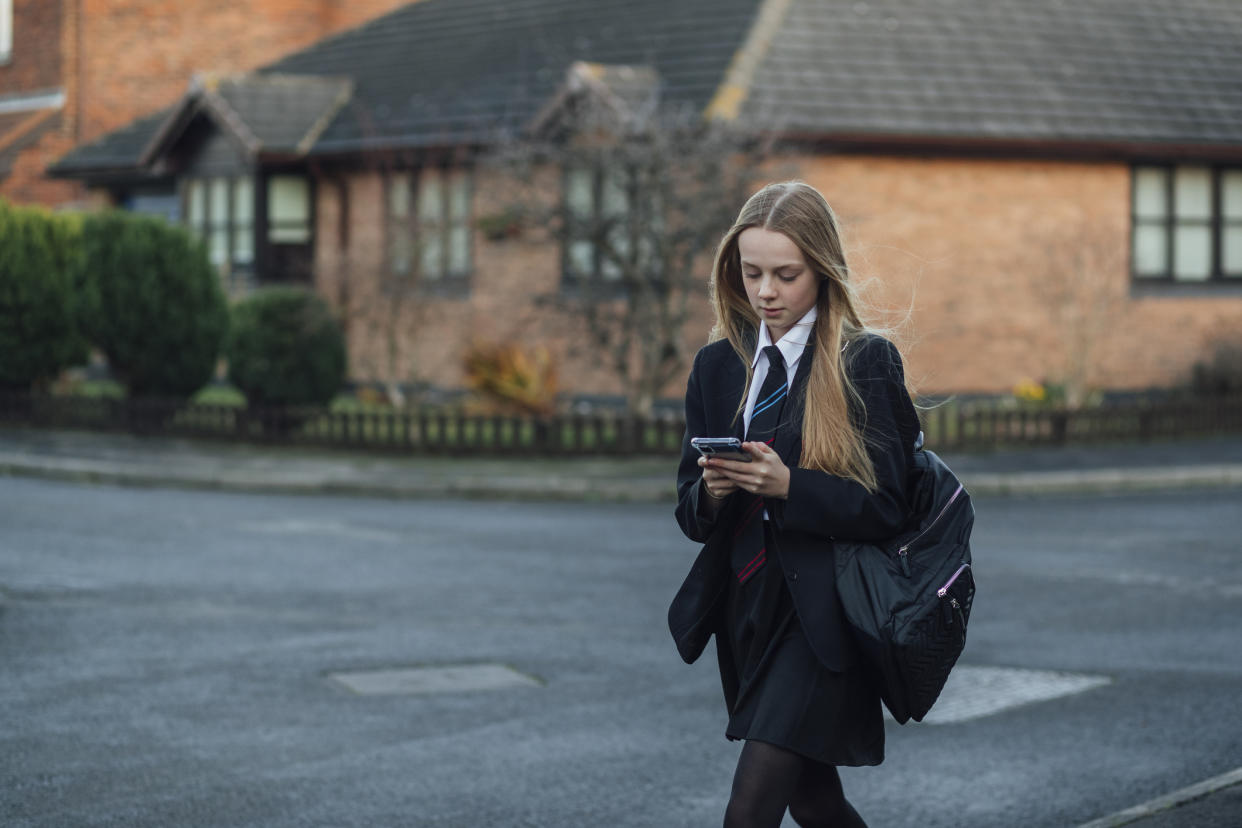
(770, 779)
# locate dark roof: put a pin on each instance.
(445, 72)
(267, 113)
(450, 72)
(1128, 71)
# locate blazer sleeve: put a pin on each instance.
(695, 517)
(833, 507)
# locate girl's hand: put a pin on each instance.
(765, 475)
(717, 484)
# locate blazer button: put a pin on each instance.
(793, 576)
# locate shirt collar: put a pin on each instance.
(792, 343)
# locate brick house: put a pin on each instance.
(1036, 189)
(74, 70)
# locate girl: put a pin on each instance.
(830, 432)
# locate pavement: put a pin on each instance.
(121, 459)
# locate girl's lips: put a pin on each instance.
(771, 311)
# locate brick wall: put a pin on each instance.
(118, 60)
(34, 63)
(422, 337)
(971, 262)
(141, 54)
(985, 257)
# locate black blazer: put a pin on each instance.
(820, 506)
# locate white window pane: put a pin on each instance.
(1150, 250)
(218, 245)
(243, 244)
(609, 270)
(459, 196)
(430, 197)
(582, 258)
(219, 201)
(1231, 250)
(580, 194)
(459, 250)
(196, 205)
(615, 198)
(431, 256)
(399, 196)
(288, 209)
(400, 253)
(1231, 194)
(1192, 254)
(243, 201)
(1150, 195)
(1192, 193)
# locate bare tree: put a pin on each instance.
(636, 196)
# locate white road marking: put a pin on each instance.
(973, 692)
(421, 680)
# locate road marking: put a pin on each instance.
(425, 680)
(1164, 803)
(973, 692)
(320, 528)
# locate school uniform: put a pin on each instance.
(791, 674)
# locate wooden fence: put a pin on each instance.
(962, 427)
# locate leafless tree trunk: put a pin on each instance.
(636, 209)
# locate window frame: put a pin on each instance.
(1216, 224)
(446, 279)
(239, 273)
(597, 279)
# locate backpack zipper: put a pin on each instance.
(903, 552)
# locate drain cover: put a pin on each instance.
(974, 692)
(445, 679)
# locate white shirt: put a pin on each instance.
(790, 346)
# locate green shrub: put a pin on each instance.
(38, 331)
(285, 348)
(152, 302)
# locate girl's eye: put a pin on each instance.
(750, 275)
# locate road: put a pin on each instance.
(180, 658)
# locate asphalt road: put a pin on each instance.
(166, 658)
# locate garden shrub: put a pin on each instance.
(285, 347)
(511, 381)
(152, 303)
(38, 330)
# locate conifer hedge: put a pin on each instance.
(38, 317)
(286, 348)
(152, 303)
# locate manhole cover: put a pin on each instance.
(446, 679)
(974, 692)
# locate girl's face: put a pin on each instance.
(780, 285)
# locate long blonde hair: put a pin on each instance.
(832, 439)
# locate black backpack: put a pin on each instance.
(908, 600)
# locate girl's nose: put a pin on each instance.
(767, 288)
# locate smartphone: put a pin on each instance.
(723, 448)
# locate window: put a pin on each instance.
(288, 210)
(429, 228)
(1187, 225)
(6, 30)
(608, 234)
(220, 211)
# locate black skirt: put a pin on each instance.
(776, 689)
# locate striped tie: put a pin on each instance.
(749, 554)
